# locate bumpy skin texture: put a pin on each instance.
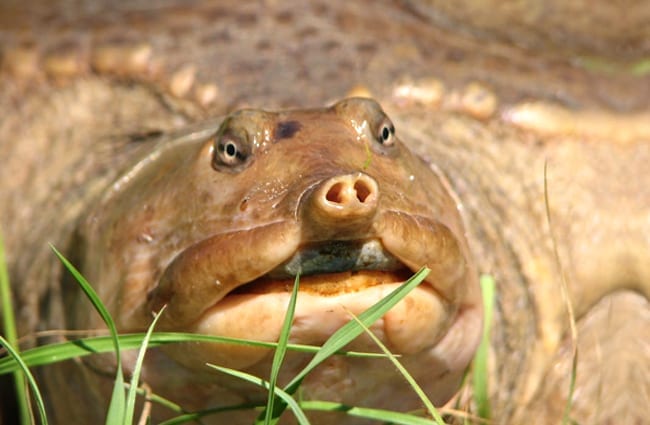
(486, 103)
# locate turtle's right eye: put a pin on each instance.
(386, 133)
(231, 152)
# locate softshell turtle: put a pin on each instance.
(488, 96)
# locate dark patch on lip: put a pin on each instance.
(286, 130)
(335, 257)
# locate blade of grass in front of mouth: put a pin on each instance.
(349, 332)
(385, 416)
(411, 381)
(280, 351)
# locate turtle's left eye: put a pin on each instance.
(386, 133)
(231, 152)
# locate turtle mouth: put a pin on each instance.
(270, 257)
(338, 279)
(330, 268)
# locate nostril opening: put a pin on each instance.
(334, 193)
(362, 190)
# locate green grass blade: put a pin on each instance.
(116, 409)
(57, 352)
(416, 387)
(283, 395)
(351, 330)
(135, 377)
(386, 416)
(92, 296)
(280, 351)
(30, 379)
(480, 368)
(10, 333)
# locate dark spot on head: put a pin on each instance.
(286, 130)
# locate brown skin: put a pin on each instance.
(255, 192)
(596, 145)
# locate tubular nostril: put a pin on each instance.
(343, 203)
(344, 192)
(362, 190)
(334, 194)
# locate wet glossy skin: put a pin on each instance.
(485, 103)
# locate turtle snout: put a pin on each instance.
(342, 205)
(348, 196)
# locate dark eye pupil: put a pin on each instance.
(230, 149)
(385, 133)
